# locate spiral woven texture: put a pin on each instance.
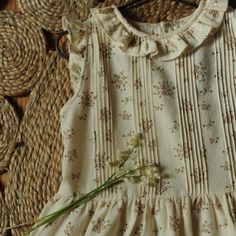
(8, 129)
(48, 14)
(22, 53)
(35, 165)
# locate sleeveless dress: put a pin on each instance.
(174, 82)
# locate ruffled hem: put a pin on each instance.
(203, 22)
(205, 215)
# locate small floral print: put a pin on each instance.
(182, 151)
(126, 100)
(82, 117)
(214, 140)
(91, 212)
(155, 210)
(87, 99)
(138, 230)
(69, 229)
(174, 223)
(231, 42)
(213, 13)
(159, 107)
(200, 71)
(157, 68)
(180, 63)
(170, 46)
(224, 225)
(75, 176)
(100, 160)
(123, 229)
(200, 205)
(68, 133)
(164, 88)
(152, 144)
(207, 227)
(101, 73)
(71, 155)
(198, 175)
(188, 34)
(157, 230)
(186, 105)
(162, 186)
(205, 91)
(108, 136)
(179, 170)
(174, 127)
(209, 125)
(229, 117)
(146, 125)
(226, 166)
(105, 114)
(119, 81)
(137, 84)
(139, 207)
(125, 115)
(226, 151)
(204, 106)
(99, 225)
(106, 50)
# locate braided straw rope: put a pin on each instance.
(48, 14)
(22, 53)
(35, 166)
(3, 215)
(8, 129)
(155, 11)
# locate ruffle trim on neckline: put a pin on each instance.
(203, 22)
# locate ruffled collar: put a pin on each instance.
(188, 34)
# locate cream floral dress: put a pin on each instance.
(175, 82)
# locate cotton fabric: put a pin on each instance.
(174, 82)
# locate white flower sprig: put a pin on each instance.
(126, 169)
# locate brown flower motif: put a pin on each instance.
(71, 155)
(87, 99)
(105, 114)
(146, 125)
(182, 151)
(99, 225)
(119, 81)
(125, 115)
(200, 71)
(164, 88)
(207, 227)
(174, 223)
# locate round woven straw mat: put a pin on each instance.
(22, 53)
(48, 14)
(35, 165)
(8, 129)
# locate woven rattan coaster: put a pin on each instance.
(48, 14)
(8, 129)
(22, 53)
(35, 165)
